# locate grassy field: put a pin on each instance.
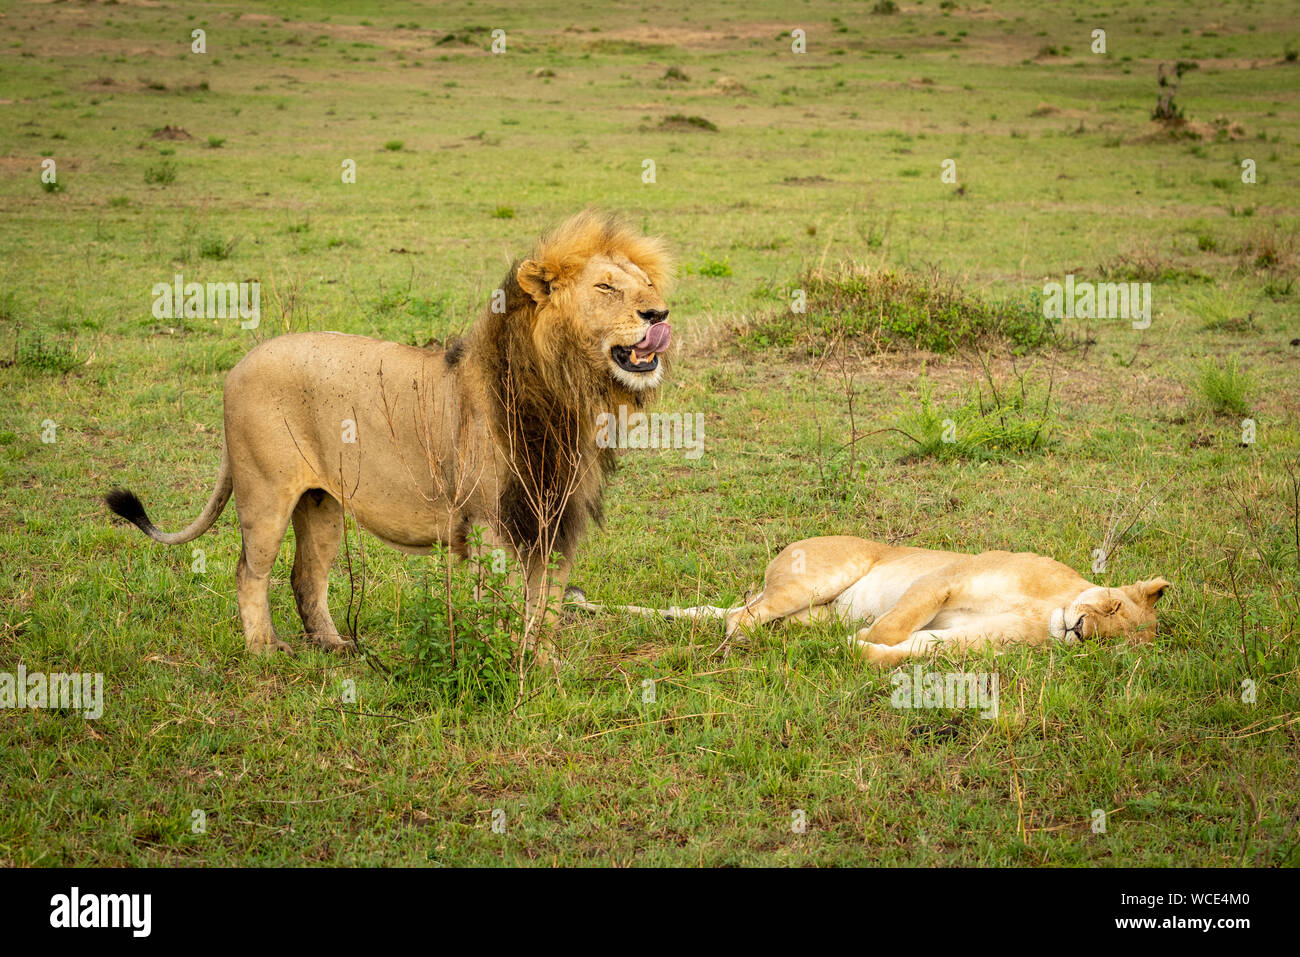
(774, 171)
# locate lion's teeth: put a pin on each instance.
(636, 359)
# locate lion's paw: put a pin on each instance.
(884, 656)
(269, 647)
(334, 643)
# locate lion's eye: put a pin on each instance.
(605, 286)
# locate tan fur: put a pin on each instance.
(496, 432)
(923, 600)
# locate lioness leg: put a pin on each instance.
(262, 525)
(972, 635)
(813, 614)
(317, 531)
(918, 605)
(805, 575)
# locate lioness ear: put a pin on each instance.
(1152, 589)
(535, 279)
(1147, 592)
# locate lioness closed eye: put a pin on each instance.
(423, 445)
(923, 599)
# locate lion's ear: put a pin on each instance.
(535, 279)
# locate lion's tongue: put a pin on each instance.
(656, 339)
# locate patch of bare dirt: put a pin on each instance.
(726, 34)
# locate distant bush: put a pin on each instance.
(890, 308)
(680, 121)
(36, 355)
(1166, 111)
(214, 247)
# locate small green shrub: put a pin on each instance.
(1224, 385)
(1001, 417)
(454, 646)
(164, 174)
(1223, 308)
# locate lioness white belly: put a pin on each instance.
(876, 592)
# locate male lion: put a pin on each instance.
(923, 599)
(496, 432)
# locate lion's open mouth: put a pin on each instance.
(633, 360)
(644, 355)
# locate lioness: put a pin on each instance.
(496, 432)
(923, 599)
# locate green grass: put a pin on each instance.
(802, 162)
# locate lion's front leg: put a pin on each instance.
(544, 594)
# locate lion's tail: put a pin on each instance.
(129, 506)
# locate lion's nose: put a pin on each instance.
(653, 315)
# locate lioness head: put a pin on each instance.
(1127, 612)
(598, 290)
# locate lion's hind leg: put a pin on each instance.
(262, 523)
(317, 532)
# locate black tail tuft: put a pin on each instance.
(130, 507)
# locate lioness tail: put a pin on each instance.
(129, 506)
(577, 598)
